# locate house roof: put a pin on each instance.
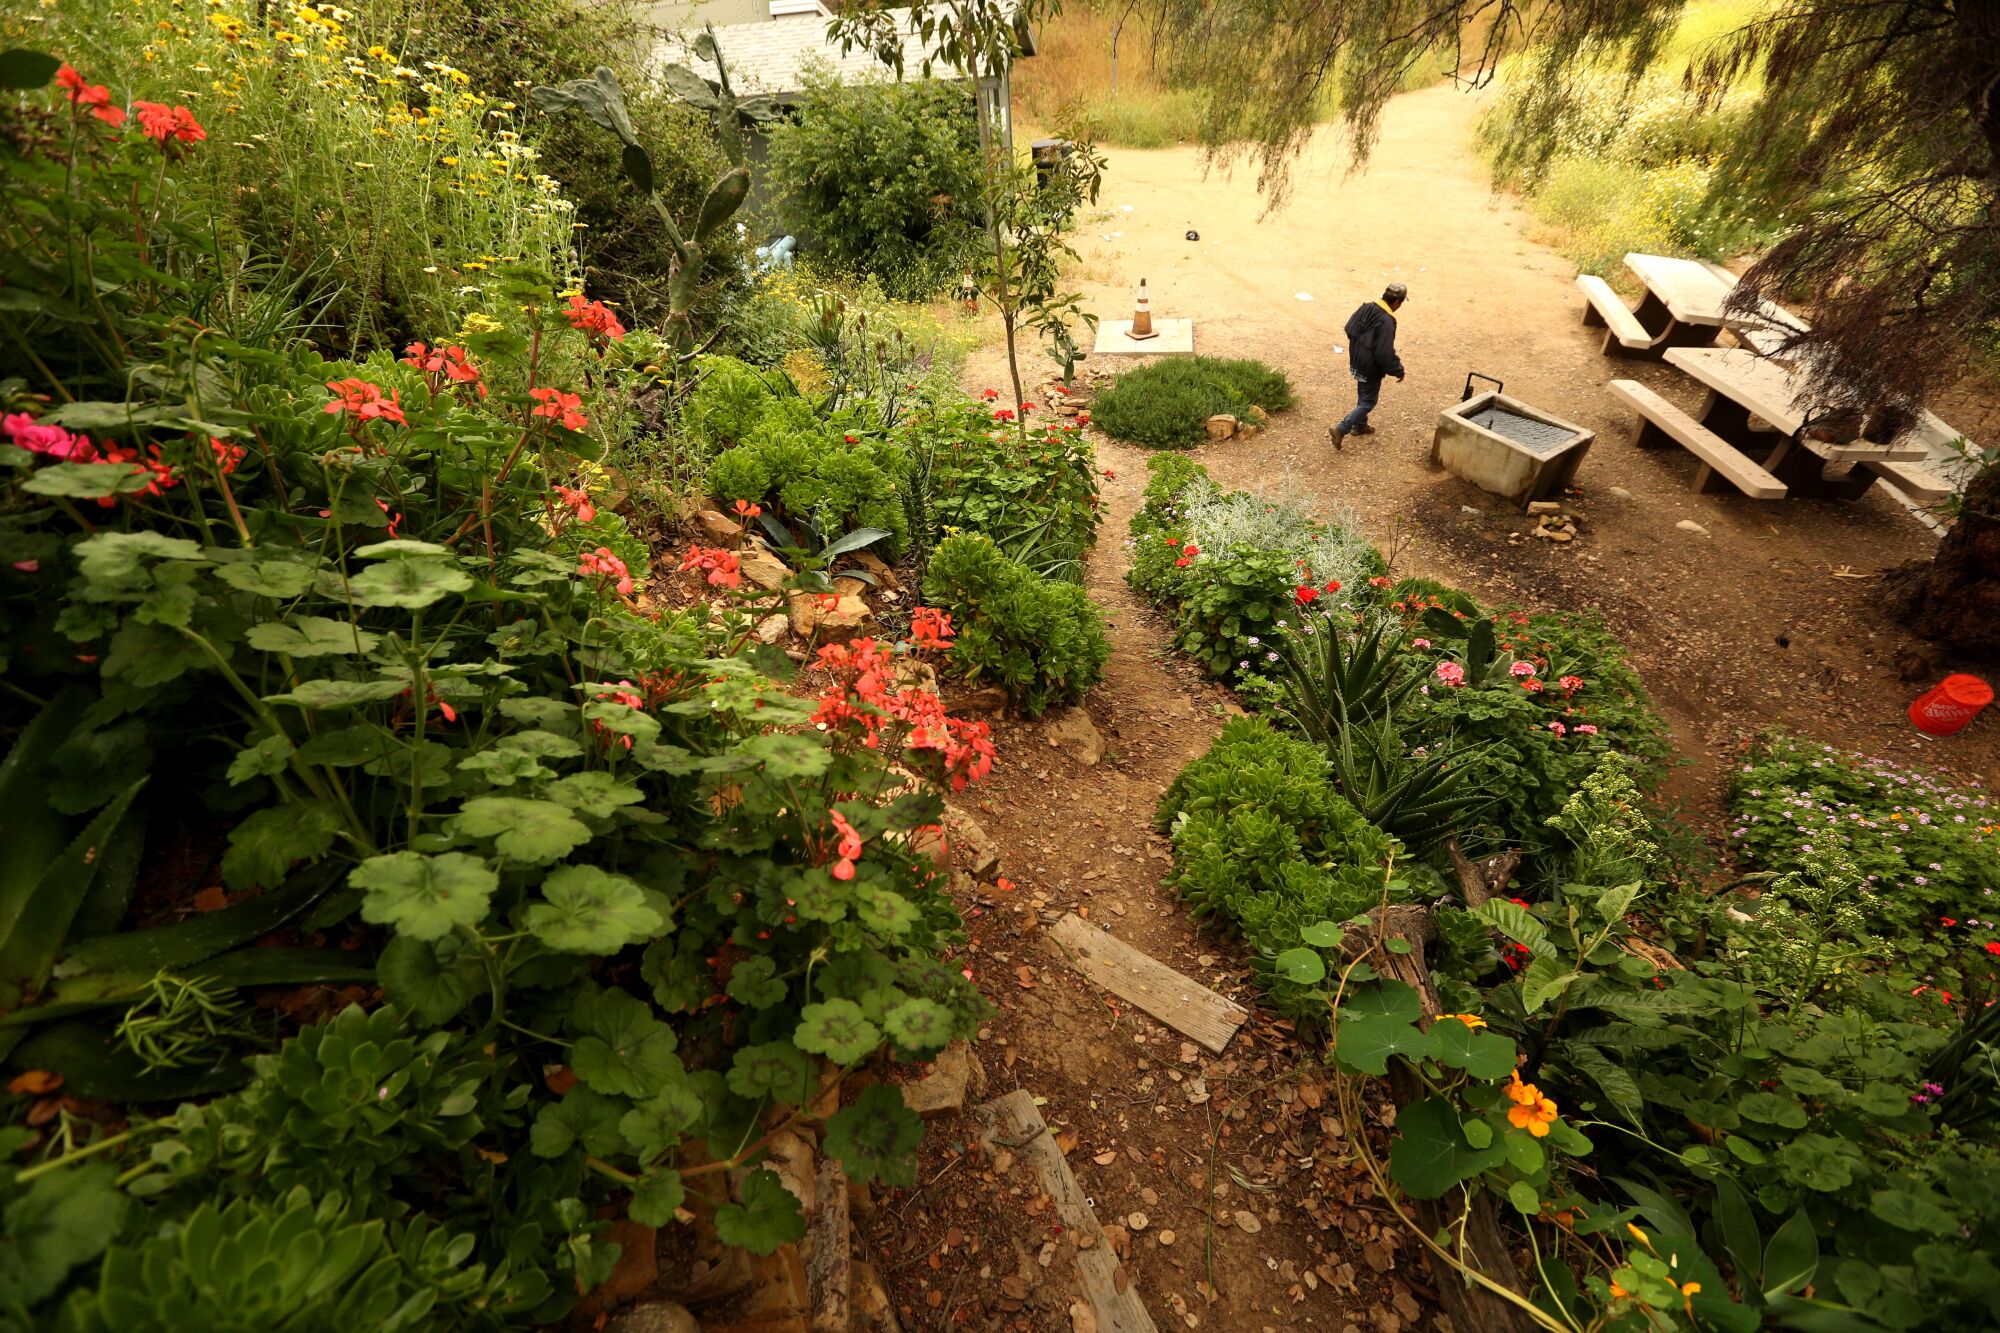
(772, 57)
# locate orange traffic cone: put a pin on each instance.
(1142, 317)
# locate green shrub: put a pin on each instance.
(802, 469)
(1035, 495)
(1168, 403)
(1039, 638)
(884, 178)
(728, 401)
(1262, 841)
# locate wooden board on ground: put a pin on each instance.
(1012, 1123)
(1180, 1002)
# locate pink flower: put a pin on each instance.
(27, 566)
(1586, 729)
(1451, 673)
(1571, 684)
(1521, 669)
(603, 563)
(1558, 728)
(724, 569)
(52, 441)
(850, 847)
(1420, 643)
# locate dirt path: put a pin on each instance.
(1769, 617)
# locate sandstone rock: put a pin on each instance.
(885, 577)
(1072, 732)
(719, 527)
(1246, 429)
(1618, 493)
(991, 699)
(956, 1072)
(1222, 426)
(654, 1317)
(849, 587)
(762, 568)
(829, 1247)
(808, 616)
(1689, 525)
(792, 1162)
(637, 1266)
(872, 1311)
(1544, 507)
(773, 627)
(977, 851)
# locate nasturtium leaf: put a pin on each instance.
(838, 1030)
(886, 910)
(583, 1116)
(268, 578)
(1323, 934)
(269, 755)
(663, 1119)
(428, 988)
(1912, 1211)
(1771, 1109)
(876, 1137)
(424, 897)
(656, 1197)
(410, 584)
(1430, 1154)
(1365, 1044)
(588, 910)
(620, 1047)
(329, 694)
(774, 1069)
(595, 793)
(1524, 1198)
(310, 636)
(754, 982)
(1478, 1133)
(1303, 967)
(1395, 1000)
(767, 1217)
(1484, 1055)
(527, 831)
(919, 1025)
(271, 841)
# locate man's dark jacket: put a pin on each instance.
(1371, 342)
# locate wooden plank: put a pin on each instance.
(1181, 1003)
(1012, 1123)
(1920, 484)
(1714, 451)
(1613, 314)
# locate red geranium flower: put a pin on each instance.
(594, 318)
(557, 405)
(167, 125)
(603, 563)
(94, 97)
(364, 401)
(1305, 595)
(724, 570)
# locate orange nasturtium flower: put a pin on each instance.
(1531, 1111)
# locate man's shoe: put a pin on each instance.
(1337, 435)
(1362, 430)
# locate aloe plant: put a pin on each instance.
(600, 98)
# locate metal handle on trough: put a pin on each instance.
(1472, 375)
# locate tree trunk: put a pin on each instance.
(1954, 597)
(1472, 1309)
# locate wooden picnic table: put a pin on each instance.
(1747, 391)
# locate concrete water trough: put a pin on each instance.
(1503, 445)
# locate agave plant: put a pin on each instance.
(1331, 683)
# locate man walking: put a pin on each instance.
(1371, 354)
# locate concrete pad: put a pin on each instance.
(1176, 338)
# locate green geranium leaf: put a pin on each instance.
(774, 1069)
(265, 846)
(87, 481)
(329, 694)
(754, 982)
(1771, 1109)
(427, 987)
(592, 911)
(280, 579)
(838, 1030)
(1484, 1055)
(400, 546)
(1303, 967)
(310, 636)
(621, 1048)
(595, 793)
(919, 1025)
(584, 1116)
(886, 910)
(424, 897)
(767, 1217)
(664, 1119)
(876, 1138)
(1365, 1044)
(112, 557)
(656, 1198)
(56, 1225)
(269, 755)
(528, 831)
(1430, 1154)
(782, 755)
(410, 584)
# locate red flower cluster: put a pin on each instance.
(850, 847)
(930, 628)
(227, 455)
(625, 693)
(443, 365)
(1305, 595)
(92, 97)
(862, 697)
(578, 503)
(594, 318)
(746, 510)
(724, 570)
(603, 563)
(167, 125)
(364, 401)
(557, 405)
(67, 447)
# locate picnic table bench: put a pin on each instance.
(1752, 408)
(1685, 305)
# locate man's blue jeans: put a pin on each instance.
(1367, 392)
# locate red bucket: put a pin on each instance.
(1951, 705)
